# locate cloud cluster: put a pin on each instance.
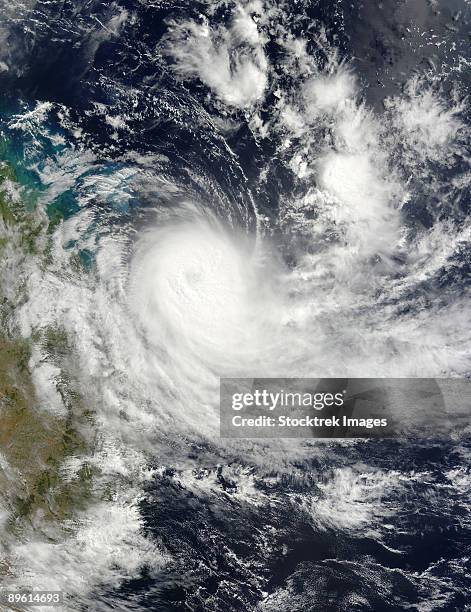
(230, 61)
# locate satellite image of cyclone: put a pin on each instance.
(193, 190)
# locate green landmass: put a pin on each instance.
(33, 441)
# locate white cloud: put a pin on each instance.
(230, 61)
(326, 93)
(429, 127)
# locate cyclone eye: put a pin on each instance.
(193, 290)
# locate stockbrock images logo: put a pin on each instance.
(343, 407)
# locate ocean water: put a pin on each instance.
(234, 189)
